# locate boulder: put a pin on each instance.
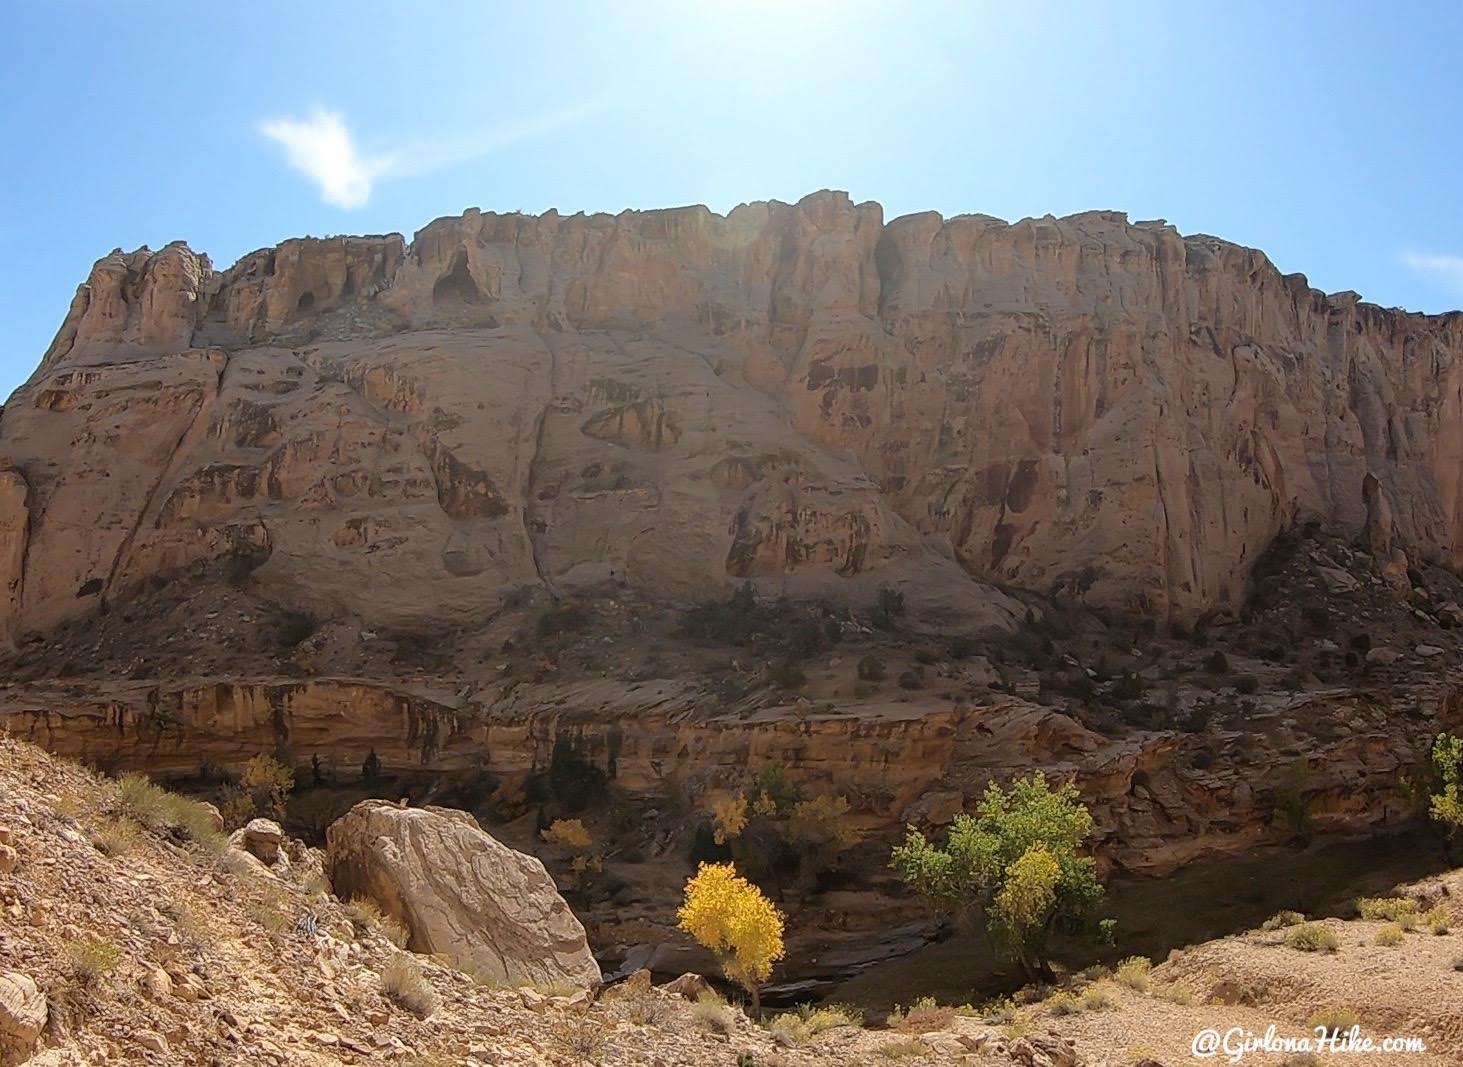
(22, 1016)
(1383, 657)
(262, 839)
(459, 892)
(690, 986)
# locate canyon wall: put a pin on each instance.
(801, 395)
(1159, 799)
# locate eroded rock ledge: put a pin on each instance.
(1156, 804)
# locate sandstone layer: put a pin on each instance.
(802, 395)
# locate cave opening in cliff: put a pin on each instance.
(457, 285)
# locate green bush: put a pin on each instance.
(1017, 863)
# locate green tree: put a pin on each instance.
(1447, 805)
(1015, 864)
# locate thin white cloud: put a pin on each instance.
(1445, 268)
(323, 149)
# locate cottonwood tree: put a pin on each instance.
(1015, 864)
(729, 915)
(1447, 805)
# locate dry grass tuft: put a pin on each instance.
(1133, 972)
(577, 1036)
(403, 981)
(1335, 1020)
(712, 1013)
(90, 959)
(924, 1015)
(366, 916)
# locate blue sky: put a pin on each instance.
(1330, 135)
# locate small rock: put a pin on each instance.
(1383, 657)
(156, 983)
(1428, 651)
(152, 1041)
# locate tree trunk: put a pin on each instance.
(756, 1003)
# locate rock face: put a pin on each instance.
(22, 1016)
(801, 395)
(459, 892)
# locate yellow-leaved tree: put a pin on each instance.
(730, 916)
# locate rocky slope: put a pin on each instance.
(672, 400)
(129, 940)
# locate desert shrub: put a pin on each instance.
(924, 1015)
(1312, 937)
(1063, 1003)
(1133, 972)
(711, 1012)
(871, 668)
(1282, 919)
(1178, 994)
(1016, 862)
(1246, 684)
(1099, 997)
(888, 608)
(729, 915)
(1401, 910)
(160, 811)
(911, 680)
(1390, 935)
(365, 916)
(787, 1029)
(785, 674)
(90, 959)
(1437, 918)
(578, 1036)
(117, 837)
(269, 912)
(1217, 662)
(1333, 1020)
(569, 834)
(821, 1017)
(403, 981)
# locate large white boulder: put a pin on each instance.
(459, 892)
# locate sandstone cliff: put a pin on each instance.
(802, 395)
